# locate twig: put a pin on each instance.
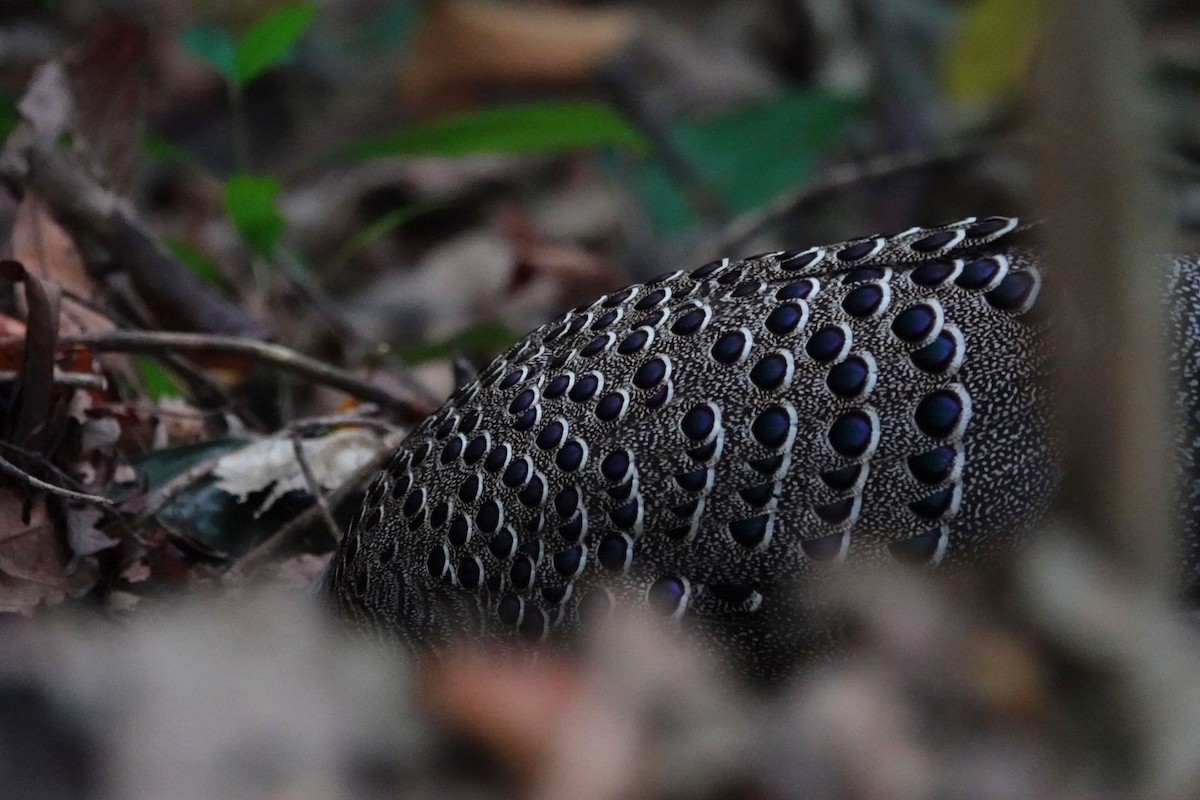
(37, 484)
(76, 380)
(263, 552)
(314, 488)
(839, 177)
(165, 342)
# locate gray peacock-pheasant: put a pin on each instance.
(705, 440)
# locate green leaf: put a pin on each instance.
(991, 49)
(527, 128)
(265, 44)
(196, 261)
(250, 203)
(749, 155)
(213, 45)
(158, 381)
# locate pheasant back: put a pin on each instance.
(704, 441)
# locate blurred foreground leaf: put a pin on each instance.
(158, 381)
(530, 128)
(196, 261)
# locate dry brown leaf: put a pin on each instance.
(467, 46)
(35, 561)
(48, 251)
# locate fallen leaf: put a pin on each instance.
(35, 560)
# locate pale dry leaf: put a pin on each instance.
(47, 105)
(272, 463)
(84, 536)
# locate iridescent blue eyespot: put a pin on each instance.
(753, 532)
(694, 481)
(516, 473)
(489, 516)
(770, 372)
(460, 531)
(935, 241)
(585, 388)
(606, 320)
(698, 423)
(627, 515)
(615, 465)
(843, 479)
(857, 251)
(498, 458)
(521, 573)
(938, 356)
(452, 450)
(935, 505)
(990, 227)
(470, 573)
(414, 502)
(915, 324)
(772, 426)
(864, 274)
(919, 549)
(634, 342)
(827, 344)
(795, 291)
(933, 273)
(708, 269)
(939, 413)
(825, 548)
(1013, 292)
(758, 495)
(799, 260)
(851, 433)
(669, 595)
(611, 406)
(836, 512)
(596, 346)
(933, 466)
(522, 401)
(437, 561)
(615, 299)
(551, 435)
(690, 322)
(784, 319)
(863, 301)
(571, 455)
(731, 347)
(979, 274)
(850, 378)
(615, 552)
(511, 610)
(534, 493)
(651, 300)
(512, 379)
(557, 387)
(651, 373)
(570, 562)
(566, 501)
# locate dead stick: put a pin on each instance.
(166, 342)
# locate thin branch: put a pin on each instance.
(284, 358)
(39, 485)
(314, 488)
(75, 380)
(266, 549)
(840, 177)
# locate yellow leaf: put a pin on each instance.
(991, 48)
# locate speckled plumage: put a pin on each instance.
(704, 441)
